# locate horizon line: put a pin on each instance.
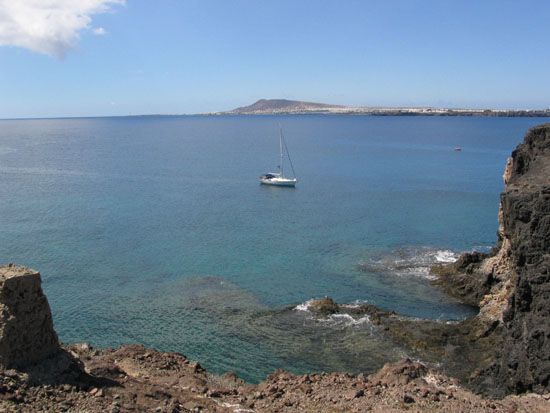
(319, 111)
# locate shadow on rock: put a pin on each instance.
(64, 367)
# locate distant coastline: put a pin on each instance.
(274, 107)
(294, 107)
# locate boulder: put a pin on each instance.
(324, 306)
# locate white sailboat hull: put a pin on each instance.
(278, 181)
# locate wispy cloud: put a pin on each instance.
(51, 27)
(99, 31)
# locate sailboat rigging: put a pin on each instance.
(278, 178)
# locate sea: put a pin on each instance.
(155, 230)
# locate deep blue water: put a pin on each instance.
(155, 229)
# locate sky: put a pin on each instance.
(116, 57)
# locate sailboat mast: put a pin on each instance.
(281, 150)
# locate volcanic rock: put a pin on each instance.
(26, 328)
(511, 286)
(324, 306)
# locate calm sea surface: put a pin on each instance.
(155, 230)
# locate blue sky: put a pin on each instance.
(189, 56)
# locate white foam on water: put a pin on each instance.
(304, 306)
(446, 256)
(338, 319)
(348, 321)
(411, 262)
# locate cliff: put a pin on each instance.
(523, 362)
(511, 286)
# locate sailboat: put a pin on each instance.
(279, 178)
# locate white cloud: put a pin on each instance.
(99, 31)
(51, 27)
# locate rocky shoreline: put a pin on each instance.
(499, 359)
(136, 379)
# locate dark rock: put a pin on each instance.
(197, 368)
(324, 306)
(509, 342)
(524, 360)
(461, 280)
(407, 398)
(215, 393)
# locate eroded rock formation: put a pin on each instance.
(511, 286)
(524, 362)
(26, 328)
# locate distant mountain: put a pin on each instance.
(267, 106)
(296, 107)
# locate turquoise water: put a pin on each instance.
(155, 229)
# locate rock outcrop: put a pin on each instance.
(456, 279)
(511, 286)
(524, 362)
(27, 335)
(324, 306)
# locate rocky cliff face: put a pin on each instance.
(26, 328)
(524, 362)
(511, 286)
